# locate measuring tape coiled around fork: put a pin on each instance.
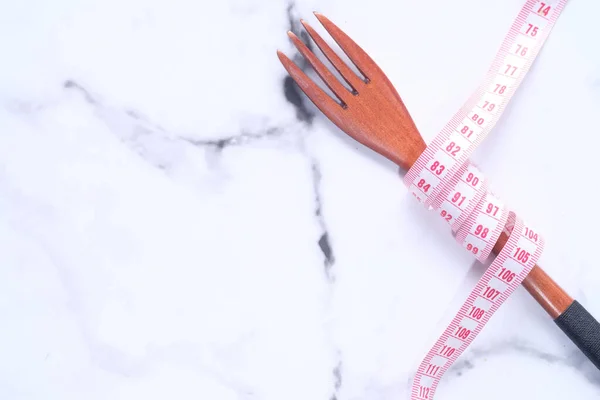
(445, 181)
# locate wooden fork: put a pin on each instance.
(373, 114)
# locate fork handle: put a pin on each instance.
(568, 314)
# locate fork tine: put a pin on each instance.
(322, 100)
(330, 80)
(349, 76)
(359, 57)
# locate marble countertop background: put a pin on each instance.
(178, 222)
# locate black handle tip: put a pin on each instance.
(583, 329)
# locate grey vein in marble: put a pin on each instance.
(576, 360)
(140, 132)
(290, 88)
(304, 114)
(141, 127)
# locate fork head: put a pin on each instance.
(371, 112)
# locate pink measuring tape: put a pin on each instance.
(446, 181)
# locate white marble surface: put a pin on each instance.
(172, 227)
